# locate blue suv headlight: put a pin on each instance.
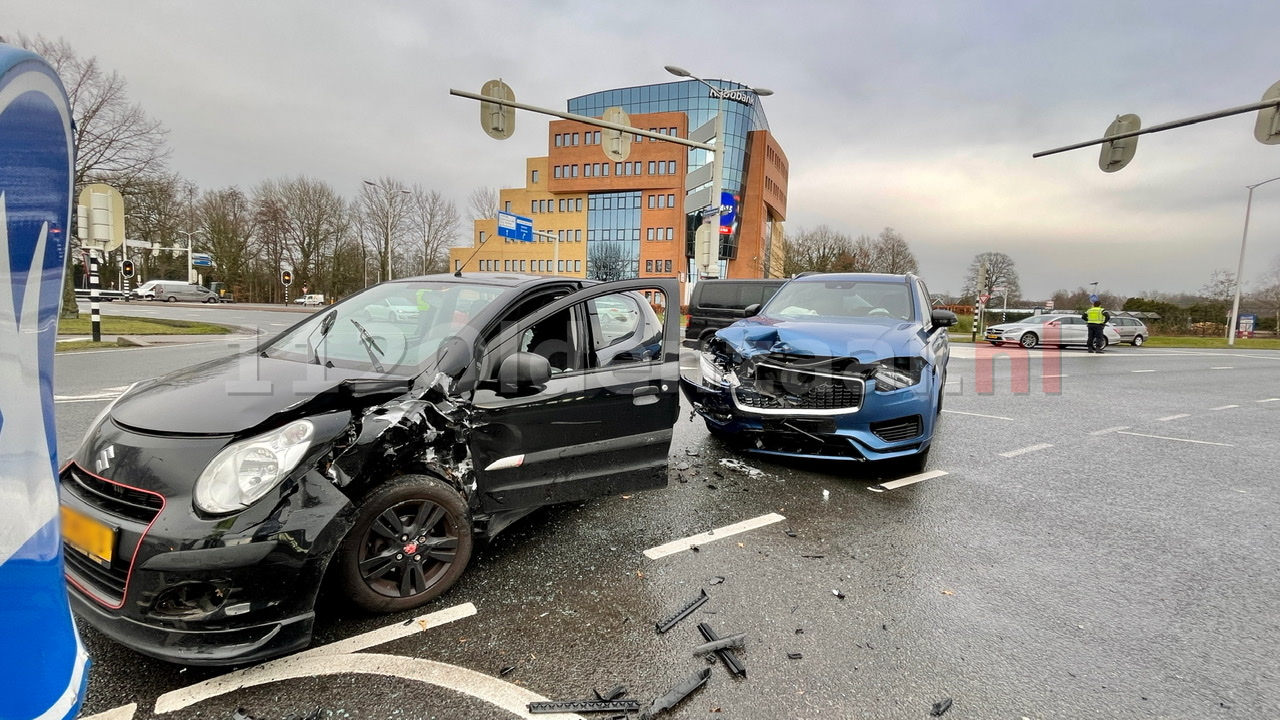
(897, 373)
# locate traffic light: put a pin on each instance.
(126, 268)
(286, 278)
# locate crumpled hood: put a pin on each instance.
(229, 395)
(866, 340)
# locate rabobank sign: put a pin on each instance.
(741, 96)
(43, 666)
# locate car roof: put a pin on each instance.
(489, 278)
(850, 277)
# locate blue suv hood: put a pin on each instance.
(867, 340)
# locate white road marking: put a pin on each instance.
(1054, 376)
(910, 480)
(511, 698)
(1138, 371)
(104, 394)
(1162, 437)
(993, 417)
(683, 544)
(124, 712)
(1173, 417)
(1104, 431)
(1225, 407)
(1025, 450)
(1223, 367)
(1269, 400)
(336, 651)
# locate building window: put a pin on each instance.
(653, 202)
(653, 168)
(617, 168)
(671, 167)
(578, 205)
(650, 233)
(577, 266)
(561, 204)
(558, 140)
(577, 236)
(555, 172)
(605, 168)
(635, 167)
(533, 206)
(573, 171)
(671, 233)
(507, 206)
(575, 139)
(668, 270)
(522, 266)
(535, 177)
(648, 266)
(671, 200)
(481, 237)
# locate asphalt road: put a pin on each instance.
(1102, 545)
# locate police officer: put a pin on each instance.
(1096, 318)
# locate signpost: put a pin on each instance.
(516, 227)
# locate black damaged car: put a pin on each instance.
(367, 448)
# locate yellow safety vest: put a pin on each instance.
(1095, 316)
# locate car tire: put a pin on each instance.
(994, 343)
(171, 298)
(212, 300)
(706, 338)
(1103, 345)
(381, 564)
(1137, 341)
(1029, 340)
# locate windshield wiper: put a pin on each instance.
(369, 345)
(326, 323)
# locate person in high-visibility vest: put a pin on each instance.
(1096, 318)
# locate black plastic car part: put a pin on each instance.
(729, 657)
(585, 706)
(676, 694)
(683, 612)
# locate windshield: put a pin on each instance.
(390, 328)
(841, 299)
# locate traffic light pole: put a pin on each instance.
(94, 294)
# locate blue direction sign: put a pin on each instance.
(516, 227)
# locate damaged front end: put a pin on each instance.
(761, 388)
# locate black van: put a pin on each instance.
(720, 303)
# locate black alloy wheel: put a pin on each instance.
(410, 542)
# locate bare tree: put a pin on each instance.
(385, 223)
(1000, 273)
(226, 217)
(823, 250)
(890, 253)
(611, 261)
(115, 140)
(439, 223)
(483, 203)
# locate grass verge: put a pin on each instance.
(116, 325)
(1213, 343)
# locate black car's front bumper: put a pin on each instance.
(193, 589)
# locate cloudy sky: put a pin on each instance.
(921, 116)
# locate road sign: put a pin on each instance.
(516, 227)
(499, 121)
(984, 298)
(617, 144)
(1048, 304)
(201, 260)
(1117, 153)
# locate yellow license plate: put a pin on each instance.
(88, 535)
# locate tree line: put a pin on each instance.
(333, 244)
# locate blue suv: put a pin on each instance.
(839, 366)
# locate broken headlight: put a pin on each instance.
(715, 371)
(897, 373)
(245, 471)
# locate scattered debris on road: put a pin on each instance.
(683, 612)
(728, 656)
(731, 642)
(677, 694)
(940, 707)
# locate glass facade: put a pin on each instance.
(613, 235)
(742, 114)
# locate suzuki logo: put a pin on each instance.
(104, 458)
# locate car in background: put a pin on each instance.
(838, 366)
(1054, 330)
(174, 290)
(366, 456)
(310, 300)
(1131, 329)
(716, 304)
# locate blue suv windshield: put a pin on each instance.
(842, 299)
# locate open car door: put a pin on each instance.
(578, 399)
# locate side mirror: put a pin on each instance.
(943, 318)
(751, 310)
(523, 372)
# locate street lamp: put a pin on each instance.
(1235, 304)
(386, 239)
(717, 164)
(190, 242)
